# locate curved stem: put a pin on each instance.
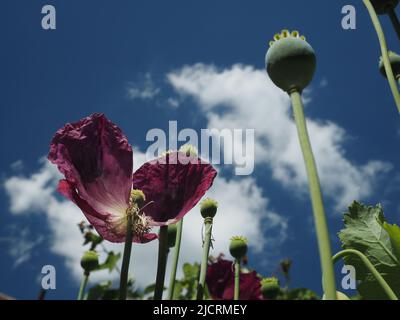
(395, 21)
(175, 260)
(384, 285)
(162, 262)
(385, 55)
(83, 285)
(316, 199)
(237, 280)
(126, 258)
(204, 261)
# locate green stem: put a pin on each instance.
(316, 198)
(384, 285)
(175, 260)
(82, 288)
(395, 20)
(385, 55)
(204, 262)
(162, 262)
(126, 258)
(237, 280)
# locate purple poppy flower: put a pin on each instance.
(221, 283)
(174, 184)
(96, 160)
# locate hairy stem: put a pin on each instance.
(162, 262)
(384, 285)
(175, 260)
(395, 20)
(385, 54)
(82, 288)
(236, 295)
(316, 199)
(126, 258)
(204, 261)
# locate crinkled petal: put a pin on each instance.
(103, 223)
(96, 159)
(171, 187)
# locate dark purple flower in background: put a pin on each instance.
(221, 284)
(97, 160)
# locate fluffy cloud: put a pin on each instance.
(244, 97)
(242, 211)
(144, 89)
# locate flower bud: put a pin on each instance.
(290, 61)
(208, 208)
(382, 6)
(137, 197)
(172, 230)
(238, 247)
(394, 59)
(90, 261)
(270, 288)
(189, 150)
(339, 296)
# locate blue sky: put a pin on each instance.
(104, 55)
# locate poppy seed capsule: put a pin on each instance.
(138, 197)
(394, 59)
(270, 288)
(172, 230)
(90, 261)
(290, 61)
(339, 296)
(208, 208)
(382, 6)
(238, 247)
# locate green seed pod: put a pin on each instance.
(270, 288)
(382, 6)
(290, 61)
(172, 230)
(189, 150)
(208, 208)
(138, 197)
(238, 247)
(90, 261)
(394, 59)
(339, 296)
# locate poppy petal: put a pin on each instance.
(173, 187)
(96, 158)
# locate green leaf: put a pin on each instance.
(111, 262)
(97, 292)
(298, 294)
(394, 234)
(364, 231)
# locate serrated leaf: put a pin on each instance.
(364, 232)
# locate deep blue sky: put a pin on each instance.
(48, 78)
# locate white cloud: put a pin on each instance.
(251, 100)
(242, 211)
(145, 89)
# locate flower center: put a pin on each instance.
(140, 223)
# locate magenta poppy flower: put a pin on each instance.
(221, 283)
(97, 160)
